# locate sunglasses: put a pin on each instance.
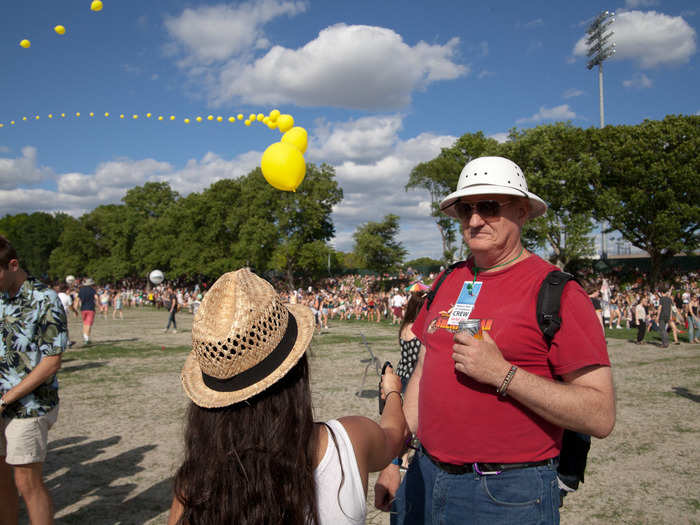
(485, 209)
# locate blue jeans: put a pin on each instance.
(432, 497)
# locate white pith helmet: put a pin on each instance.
(492, 175)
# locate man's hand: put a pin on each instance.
(480, 359)
(386, 486)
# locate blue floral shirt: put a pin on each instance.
(32, 325)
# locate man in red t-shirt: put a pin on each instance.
(490, 408)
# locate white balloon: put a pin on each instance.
(156, 277)
(70, 280)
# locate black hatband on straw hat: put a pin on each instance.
(261, 370)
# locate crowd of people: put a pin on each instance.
(483, 395)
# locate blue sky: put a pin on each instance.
(379, 86)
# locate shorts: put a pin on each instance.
(398, 311)
(23, 440)
(88, 317)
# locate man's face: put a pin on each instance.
(8, 276)
(487, 226)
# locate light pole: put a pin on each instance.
(600, 48)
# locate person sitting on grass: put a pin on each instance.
(253, 452)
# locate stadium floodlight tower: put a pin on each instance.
(600, 48)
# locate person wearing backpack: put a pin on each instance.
(490, 409)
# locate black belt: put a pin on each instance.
(484, 468)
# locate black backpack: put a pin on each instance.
(575, 446)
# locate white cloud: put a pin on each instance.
(219, 32)
(485, 73)
(640, 81)
(562, 112)
(357, 66)
(650, 38)
(537, 22)
(362, 140)
(22, 170)
(634, 4)
(500, 137)
(572, 92)
(77, 193)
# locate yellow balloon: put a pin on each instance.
(283, 166)
(12, 122)
(1, 125)
(50, 115)
(24, 118)
(106, 114)
(63, 115)
(251, 117)
(92, 114)
(96, 5)
(37, 117)
(172, 117)
(77, 114)
(219, 118)
(296, 137)
(148, 115)
(199, 119)
(274, 114)
(285, 122)
(260, 116)
(160, 117)
(266, 120)
(135, 116)
(210, 117)
(232, 119)
(187, 121)
(121, 116)
(26, 44)
(239, 116)
(60, 30)
(271, 125)
(247, 122)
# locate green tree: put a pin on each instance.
(376, 245)
(76, 247)
(558, 169)
(34, 236)
(439, 177)
(647, 184)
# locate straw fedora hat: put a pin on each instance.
(244, 339)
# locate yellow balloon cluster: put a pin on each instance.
(282, 163)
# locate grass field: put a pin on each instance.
(118, 438)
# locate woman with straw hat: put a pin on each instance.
(253, 453)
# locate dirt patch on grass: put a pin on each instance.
(118, 439)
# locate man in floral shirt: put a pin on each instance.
(33, 335)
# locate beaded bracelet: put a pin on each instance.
(501, 391)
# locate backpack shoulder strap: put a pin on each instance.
(431, 294)
(549, 303)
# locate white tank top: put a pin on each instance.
(348, 506)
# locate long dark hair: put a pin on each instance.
(252, 462)
(415, 302)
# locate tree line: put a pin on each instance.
(641, 180)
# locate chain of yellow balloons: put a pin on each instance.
(282, 163)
